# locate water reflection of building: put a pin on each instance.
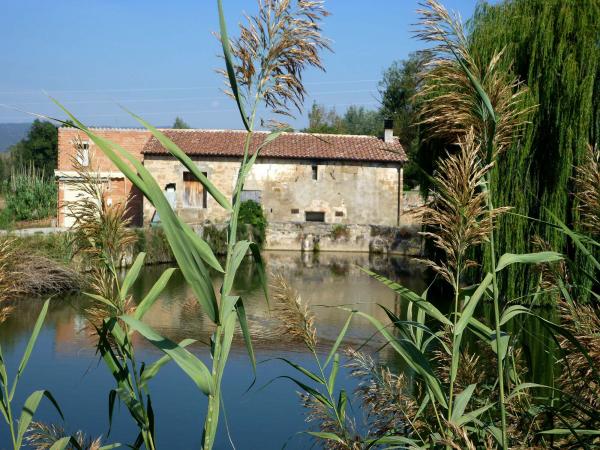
(327, 281)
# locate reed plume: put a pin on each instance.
(458, 217)
(7, 255)
(273, 49)
(101, 230)
(42, 436)
(587, 191)
(579, 379)
(387, 398)
(296, 318)
(450, 102)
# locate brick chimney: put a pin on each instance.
(388, 131)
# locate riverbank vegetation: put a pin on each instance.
(466, 376)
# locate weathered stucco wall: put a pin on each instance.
(346, 193)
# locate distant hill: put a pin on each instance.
(11, 133)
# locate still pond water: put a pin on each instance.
(266, 417)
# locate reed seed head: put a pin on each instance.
(274, 48)
(458, 217)
(587, 185)
(450, 103)
(296, 318)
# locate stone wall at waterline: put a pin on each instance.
(312, 237)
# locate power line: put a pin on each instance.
(191, 88)
(177, 99)
(189, 112)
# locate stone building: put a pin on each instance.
(299, 177)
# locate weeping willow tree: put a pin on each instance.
(553, 46)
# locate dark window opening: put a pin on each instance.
(339, 214)
(315, 172)
(314, 216)
(194, 194)
(295, 211)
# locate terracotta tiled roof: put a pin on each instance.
(288, 145)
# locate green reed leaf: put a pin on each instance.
(29, 409)
(407, 294)
(461, 402)
(334, 371)
(304, 371)
(527, 258)
(326, 435)
(30, 344)
(469, 308)
(150, 298)
(339, 340)
(132, 275)
(240, 310)
(230, 67)
(62, 443)
(191, 365)
(511, 312)
(310, 391)
(185, 160)
(152, 370)
(341, 406)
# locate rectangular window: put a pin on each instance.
(83, 153)
(339, 214)
(315, 172)
(295, 211)
(314, 216)
(246, 195)
(194, 194)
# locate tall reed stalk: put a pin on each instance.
(461, 93)
(263, 66)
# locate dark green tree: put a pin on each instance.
(323, 120)
(554, 47)
(356, 120)
(39, 148)
(397, 88)
(179, 124)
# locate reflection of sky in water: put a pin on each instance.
(64, 360)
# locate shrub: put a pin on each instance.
(340, 231)
(31, 195)
(153, 242)
(216, 238)
(252, 222)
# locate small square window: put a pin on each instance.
(315, 172)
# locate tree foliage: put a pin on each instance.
(553, 47)
(39, 148)
(357, 120)
(397, 89)
(180, 124)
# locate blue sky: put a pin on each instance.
(158, 58)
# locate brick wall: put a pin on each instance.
(120, 188)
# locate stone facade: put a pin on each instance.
(349, 183)
(345, 193)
